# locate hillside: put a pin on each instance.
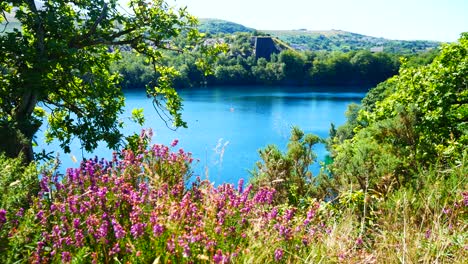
(338, 40)
(326, 40)
(217, 26)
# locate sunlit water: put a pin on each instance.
(228, 125)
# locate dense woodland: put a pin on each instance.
(239, 66)
(394, 190)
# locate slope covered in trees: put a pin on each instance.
(217, 26)
(240, 66)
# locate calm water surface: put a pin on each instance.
(228, 125)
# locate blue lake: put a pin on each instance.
(228, 125)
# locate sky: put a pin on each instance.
(440, 20)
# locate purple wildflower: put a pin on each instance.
(158, 230)
(359, 241)
(79, 238)
(174, 143)
(218, 257)
(20, 213)
(187, 252)
(76, 223)
(66, 257)
(137, 230)
(240, 185)
(279, 254)
(2, 216)
(118, 230)
(289, 214)
(272, 215)
(170, 245)
(115, 249)
(428, 233)
(103, 229)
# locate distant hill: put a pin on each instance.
(324, 40)
(338, 40)
(217, 26)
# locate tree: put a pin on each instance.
(294, 65)
(60, 61)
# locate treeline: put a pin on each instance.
(239, 66)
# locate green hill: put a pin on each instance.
(338, 40)
(217, 26)
(323, 40)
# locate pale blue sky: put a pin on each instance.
(441, 20)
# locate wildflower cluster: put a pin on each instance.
(141, 208)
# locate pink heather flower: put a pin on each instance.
(115, 249)
(137, 230)
(278, 254)
(170, 245)
(158, 230)
(2, 216)
(187, 252)
(118, 230)
(103, 229)
(289, 214)
(56, 230)
(174, 143)
(79, 238)
(240, 185)
(76, 223)
(465, 198)
(94, 257)
(218, 257)
(359, 241)
(20, 213)
(428, 234)
(272, 215)
(66, 257)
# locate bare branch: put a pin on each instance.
(92, 30)
(7, 22)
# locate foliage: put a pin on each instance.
(60, 60)
(19, 185)
(239, 66)
(216, 26)
(288, 173)
(414, 120)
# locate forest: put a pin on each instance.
(240, 66)
(393, 191)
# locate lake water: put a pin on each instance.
(228, 125)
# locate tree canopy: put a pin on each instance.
(60, 60)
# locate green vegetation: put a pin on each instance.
(394, 191)
(60, 61)
(337, 40)
(241, 66)
(217, 26)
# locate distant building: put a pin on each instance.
(213, 41)
(376, 49)
(264, 47)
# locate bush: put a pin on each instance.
(288, 173)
